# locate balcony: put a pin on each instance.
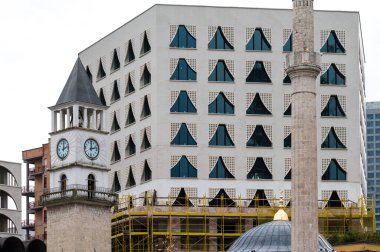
(27, 191)
(33, 206)
(35, 171)
(27, 224)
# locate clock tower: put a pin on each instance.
(78, 200)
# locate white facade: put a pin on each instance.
(160, 24)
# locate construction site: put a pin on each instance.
(212, 224)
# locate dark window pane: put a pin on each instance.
(258, 42)
(333, 44)
(219, 41)
(259, 170)
(130, 54)
(332, 141)
(145, 46)
(288, 141)
(288, 47)
(221, 137)
(221, 105)
(334, 171)
(288, 111)
(115, 61)
(259, 138)
(221, 73)
(258, 73)
(220, 170)
(257, 107)
(333, 108)
(333, 76)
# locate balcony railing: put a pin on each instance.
(27, 190)
(78, 193)
(36, 170)
(27, 224)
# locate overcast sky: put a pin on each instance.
(40, 41)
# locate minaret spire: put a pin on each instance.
(303, 70)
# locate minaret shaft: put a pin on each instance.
(303, 71)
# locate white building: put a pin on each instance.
(225, 66)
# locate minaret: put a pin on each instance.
(78, 201)
(303, 70)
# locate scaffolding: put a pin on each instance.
(148, 223)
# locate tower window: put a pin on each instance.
(221, 105)
(259, 138)
(257, 107)
(183, 71)
(333, 45)
(183, 39)
(145, 77)
(219, 41)
(221, 73)
(220, 170)
(258, 41)
(183, 104)
(221, 137)
(115, 153)
(183, 169)
(333, 108)
(131, 147)
(258, 73)
(115, 65)
(131, 179)
(130, 118)
(145, 111)
(115, 92)
(145, 47)
(147, 172)
(130, 54)
(332, 141)
(183, 137)
(130, 88)
(101, 73)
(259, 170)
(288, 47)
(333, 76)
(334, 171)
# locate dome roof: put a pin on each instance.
(271, 236)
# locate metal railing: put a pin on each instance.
(26, 224)
(26, 189)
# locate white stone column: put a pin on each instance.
(53, 121)
(75, 116)
(85, 119)
(62, 119)
(68, 118)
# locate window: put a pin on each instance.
(130, 118)
(332, 141)
(220, 170)
(115, 65)
(183, 137)
(131, 179)
(63, 183)
(258, 41)
(183, 169)
(221, 137)
(45, 216)
(369, 116)
(130, 54)
(183, 39)
(257, 107)
(102, 98)
(183, 104)
(258, 73)
(115, 153)
(369, 124)
(259, 138)
(115, 92)
(221, 105)
(145, 77)
(91, 186)
(116, 184)
(288, 47)
(288, 141)
(222, 199)
(219, 41)
(334, 200)
(287, 80)
(259, 170)
(101, 73)
(89, 74)
(333, 108)
(145, 143)
(145, 47)
(333, 76)
(131, 147)
(183, 71)
(221, 73)
(115, 124)
(334, 171)
(182, 199)
(145, 111)
(147, 172)
(333, 44)
(130, 87)
(259, 200)
(288, 111)
(377, 116)
(288, 176)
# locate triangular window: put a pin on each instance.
(130, 118)
(183, 104)
(183, 137)
(182, 199)
(145, 144)
(259, 138)
(259, 200)
(101, 73)
(146, 108)
(333, 44)
(334, 172)
(258, 73)
(288, 176)
(259, 170)
(333, 76)
(183, 71)
(288, 141)
(221, 105)
(334, 200)
(288, 47)
(131, 179)
(287, 80)
(115, 124)
(116, 184)
(102, 98)
(220, 170)
(333, 108)
(288, 111)
(115, 61)
(145, 77)
(258, 41)
(222, 199)
(130, 54)
(183, 169)
(221, 73)
(183, 39)
(147, 172)
(115, 153)
(89, 74)
(145, 47)
(257, 107)
(221, 137)
(219, 41)
(332, 141)
(115, 92)
(131, 147)
(130, 87)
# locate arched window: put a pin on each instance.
(334, 171)
(332, 141)
(257, 107)
(183, 104)
(220, 170)
(183, 71)
(63, 184)
(333, 76)
(221, 137)
(221, 105)
(221, 73)
(91, 187)
(183, 137)
(258, 73)
(258, 41)
(259, 138)
(183, 169)
(333, 108)
(219, 41)
(333, 44)
(259, 170)
(183, 39)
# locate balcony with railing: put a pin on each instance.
(27, 191)
(28, 224)
(35, 171)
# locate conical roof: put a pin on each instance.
(79, 88)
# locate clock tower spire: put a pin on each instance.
(78, 201)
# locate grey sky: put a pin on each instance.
(40, 40)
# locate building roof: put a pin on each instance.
(79, 88)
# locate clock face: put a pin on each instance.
(62, 148)
(91, 148)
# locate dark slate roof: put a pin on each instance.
(270, 237)
(79, 88)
